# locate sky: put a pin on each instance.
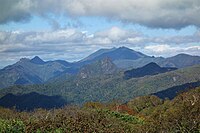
(73, 29)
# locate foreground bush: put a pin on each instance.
(11, 126)
(181, 115)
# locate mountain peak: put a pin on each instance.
(123, 47)
(36, 57)
(100, 67)
(182, 54)
(97, 54)
(152, 65)
(127, 53)
(121, 53)
(37, 60)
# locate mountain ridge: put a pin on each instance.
(35, 70)
(147, 70)
(31, 71)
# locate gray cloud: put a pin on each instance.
(155, 13)
(14, 10)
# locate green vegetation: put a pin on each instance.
(105, 88)
(11, 126)
(142, 114)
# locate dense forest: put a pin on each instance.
(141, 114)
(105, 88)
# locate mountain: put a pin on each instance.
(130, 64)
(106, 87)
(103, 66)
(36, 71)
(31, 101)
(33, 71)
(181, 61)
(121, 53)
(149, 69)
(37, 60)
(97, 53)
(126, 58)
(172, 92)
(63, 62)
(178, 61)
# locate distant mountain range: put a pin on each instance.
(126, 58)
(149, 69)
(103, 62)
(33, 71)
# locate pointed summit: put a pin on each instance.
(152, 65)
(37, 60)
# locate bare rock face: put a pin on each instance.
(107, 66)
(101, 67)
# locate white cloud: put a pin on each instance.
(114, 35)
(58, 36)
(159, 48)
(167, 50)
(72, 44)
(135, 40)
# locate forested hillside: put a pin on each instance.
(142, 114)
(105, 88)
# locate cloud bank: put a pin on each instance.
(151, 13)
(72, 44)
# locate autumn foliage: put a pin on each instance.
(143, 114)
